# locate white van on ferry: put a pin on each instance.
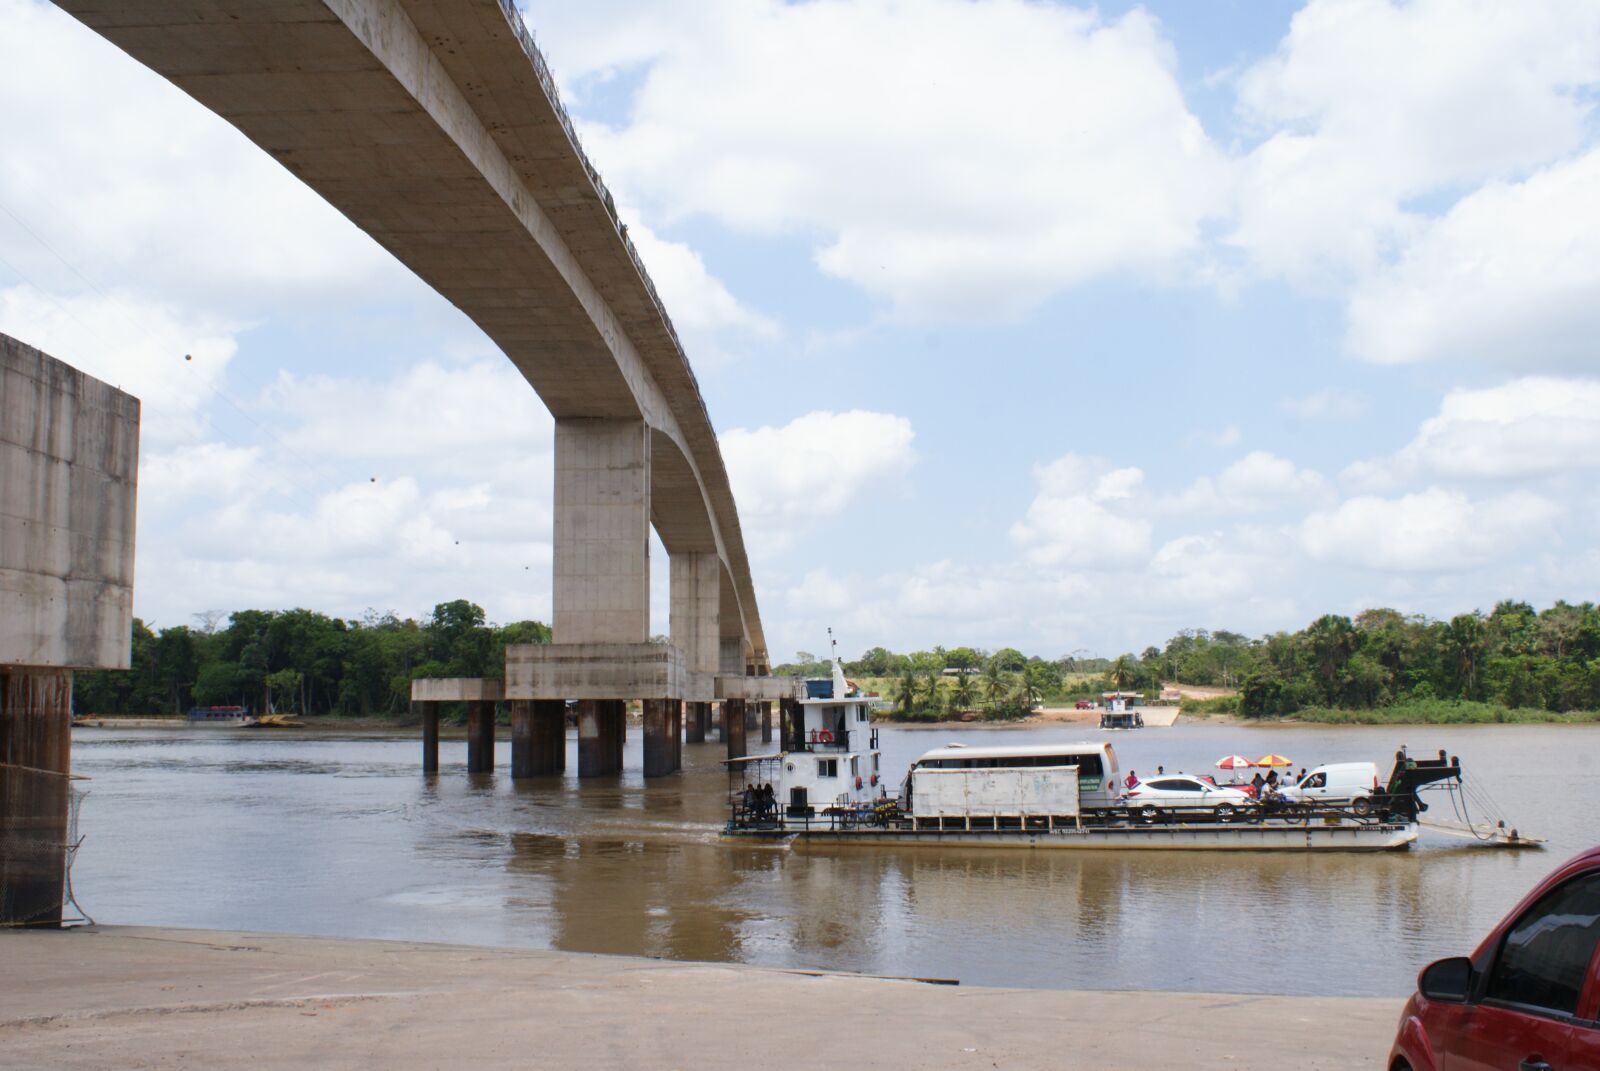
(1337, 782)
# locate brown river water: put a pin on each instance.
(341, 835)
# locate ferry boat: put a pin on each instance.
(1119, 711)
(226, 717)
(826, 788)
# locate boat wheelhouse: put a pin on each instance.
(828, 763)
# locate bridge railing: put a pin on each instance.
(548, 82)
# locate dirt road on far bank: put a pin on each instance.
(134, 997)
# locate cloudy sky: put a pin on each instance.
(1021, 323)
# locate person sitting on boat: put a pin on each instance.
(1272, 778)
(750, 797)
(1256, 782)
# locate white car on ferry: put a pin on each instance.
(1148, 799)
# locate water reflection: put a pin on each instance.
(314, 833)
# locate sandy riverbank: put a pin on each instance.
(136, 997)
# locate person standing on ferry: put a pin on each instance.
(1132, 780)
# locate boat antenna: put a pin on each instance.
(834, 644)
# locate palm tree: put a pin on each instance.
(994, 681)
(930, 691)
(1464, 640)
(906, 696)
(962, 694)
(1123, 673)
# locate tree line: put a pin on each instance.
(309, 663)
(301, 661)
(1514, 657)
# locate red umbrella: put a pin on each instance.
(1233, 762)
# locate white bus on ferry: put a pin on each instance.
(1093, 764)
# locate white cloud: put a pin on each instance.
(814, 467)
(1508, 276)
(1084, 515)
(1368, 103)
(1258, 482)
(172, 360)
(1330, 404)
(1435, 530)
(1211, 569)
(930, 197)
(427, 414)
(1527, 428)
(204, 470)
(701, 307)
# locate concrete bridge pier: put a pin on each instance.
(602, 728)
(480, 696)
(538, 738)
(35, 791)
(480, 736)
(663, 723)
(697, 719)
(766, 722)
(429, 713)
(733, 728)
(69, 453)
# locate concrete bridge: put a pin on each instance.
(435, 126)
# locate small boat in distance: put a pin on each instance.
(223, 717)
(1119, 712)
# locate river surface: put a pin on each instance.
(341, 835)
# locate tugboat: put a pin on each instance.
(828, 764)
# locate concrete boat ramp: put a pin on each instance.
(134, 997)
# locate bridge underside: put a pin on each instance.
(435, 127)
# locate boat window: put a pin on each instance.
(874, 762)
(827, 767)
(855, 766)
(861, 714)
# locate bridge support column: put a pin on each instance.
(521, 738)
(602, 727)
(480, 736)
(602, 532)
(549, 744)
(538, 737)
(35, 790)
(733, 727)
(697, 717)
(662, 717)
(430, 735)
(766, 722)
